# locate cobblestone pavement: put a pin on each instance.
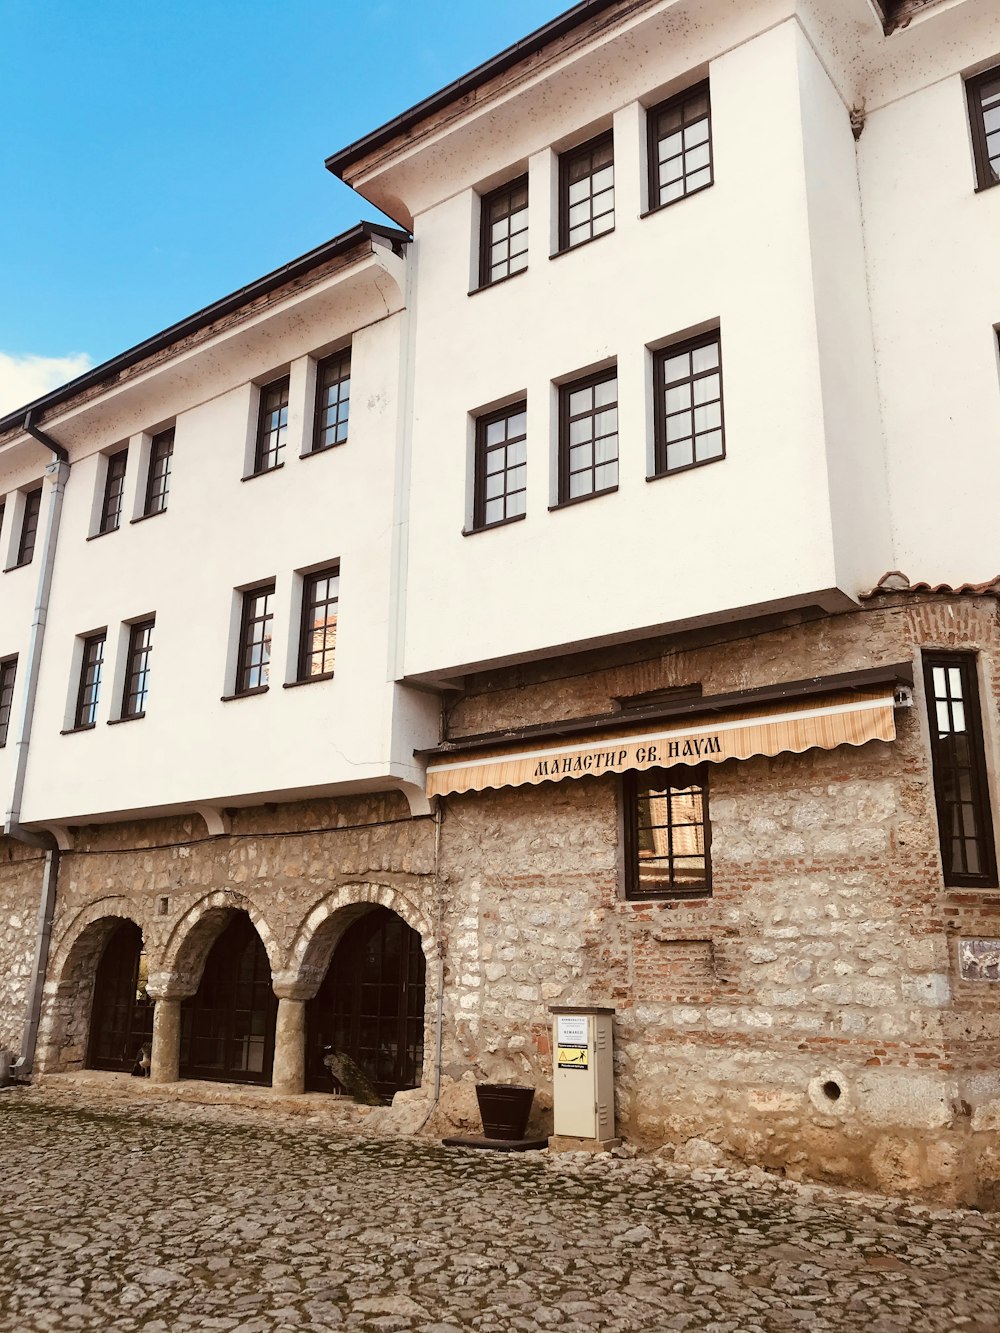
(156, 1216)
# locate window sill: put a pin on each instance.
(154, 514)
(688, 467)
(959, 889)
(106, 533)
(117, 721)
(265, 472)
(310, 680)
(990, 185)
(581, 499)
(318, 453)
(71, 731)
(658, 208)
(671, 896)
(244, 694)
(572, 249)
(488, 527)
(497, 282)
(23, 565)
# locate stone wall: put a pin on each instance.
(20, 895)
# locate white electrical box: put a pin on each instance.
(583, 1088)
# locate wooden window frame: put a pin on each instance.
(136, 687)
(340, 361)
(8, 677)
(249, 623)
(486, 224)
(271, 439)
(29, 526)
(565, 421)
(654, 137)
(986, 175)
(114, 491)
(986, 878)
(566, 162)
(161, 452)
(483, 452)
(310, 605)
(660, 357)
(88, 694)
(673, 778)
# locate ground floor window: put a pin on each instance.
(667, 833)
(121, 1021)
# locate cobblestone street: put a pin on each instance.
(148, 1214)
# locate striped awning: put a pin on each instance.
(796, 725)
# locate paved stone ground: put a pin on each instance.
(124, 1214)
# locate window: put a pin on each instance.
(680, 146)
(965, 827)
(8, 670)
(588, 436)
(667, 833)
(114, 491)
(272, 425)
(984, 117)
(140, 649)
(501, 466)
(29, 526)
(161, 451)
(587, 192)
(333, 401)
(253, 665)
(91, 669)
(503, 232)
(318, 636)
(688, 405)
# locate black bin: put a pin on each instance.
(504, 1109)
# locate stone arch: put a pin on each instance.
(188, 945)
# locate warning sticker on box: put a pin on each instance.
(573, 1057)
(571, 1029)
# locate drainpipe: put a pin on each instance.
(58, 471)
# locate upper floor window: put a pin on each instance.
(114, 491)
(272, 425)
(680, 146)
(333, 400)
(161, 452)
(588, 436)
(91, 670)
(8, 670)
(587, 191)
(253, 663)
(667, 833)
(961, 791)
(503, 235)
(688, 405)
(318, 636)
(29, 526)
(140, 650)
(501, 466)
(984, 117)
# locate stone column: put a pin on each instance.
(289, 1075)
(166, 1054)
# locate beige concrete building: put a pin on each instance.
(520, 625)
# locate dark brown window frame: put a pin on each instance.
(566, 161)
(653, 138)
(161, 452)
(136, 689)
(245, 669)
(671, 778)
(486, 224)
(114, 491)
(267, 454)
(310, 583)
(483, 452)
(660, 357)
(986, 175)
(342, 360)
(30, 516)
(88, 693)
(8, 677)
(565, 391)
(979, 797)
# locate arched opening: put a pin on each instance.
(121, 1020)
(227, 1026)
(371, 1005)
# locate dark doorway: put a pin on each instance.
(371, 1005)
(122, 1016)
(227, 1028)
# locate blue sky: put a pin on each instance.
(156, 156)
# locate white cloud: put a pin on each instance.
(25, 378)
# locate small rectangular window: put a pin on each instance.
(680, 146)
(161, 452)
(91, 669)
(253, 665)
(318, 635)
(687, 379)
(140, 650)
(961, 791)
(114, 491)
(587, 191)
(667, 833)
(588, 436)
(503, 232)
(29, 526)
(272, 425)
(8, 670)
(984, 118)
(333, 401)
(501, 466)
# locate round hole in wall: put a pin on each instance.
(832, 1090)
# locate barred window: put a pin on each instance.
(318, 635)
(501, 466)
(140, 650)
(8, 670)
(984, 118)
(587, 191)
(667, 833)
(161, 452)
(588, 436)
(680, 146)
(272, 425)
(253, 665)
(333, 401)
(503, 238)
(688, 407)
(29, 526)
(91, 670)
(114, 491)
